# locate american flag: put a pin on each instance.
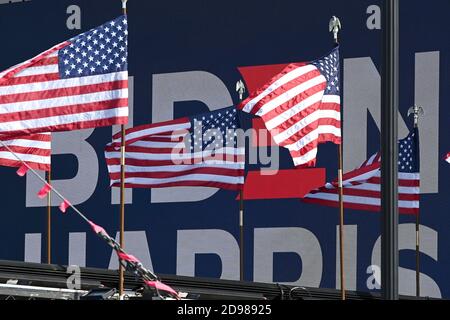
(362, 186)
(447, 157)
(34, 149)
(301, 107)
(202, 150)
(80, 83)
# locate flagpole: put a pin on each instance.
(335, 26)
(341, 224)
(122, 205)
(49, 218)
(417, 111)
(240, 88)
(122, 189)
(417, 255)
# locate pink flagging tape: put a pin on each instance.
(161, 286)
(97, 229)
(64, 205)
(44, 191)
(22, 170)
(127, 257)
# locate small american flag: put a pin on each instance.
(362, 186)
(34, 149)
(201, 150)
(447, 157)
(80, 83)
(301, 107)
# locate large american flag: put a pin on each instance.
(202, 150)
(362, 186)
(301, 107)
(34, 149)
(79, 83)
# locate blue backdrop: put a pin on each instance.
(176, 40)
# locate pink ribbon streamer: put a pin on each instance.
(44, 191)
(22, 170)
(64, 205)
(97, 229)
(161, 286)
(127, 257)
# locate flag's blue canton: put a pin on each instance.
(207, 134)
(99, 51)
(329, 67)
(407, 156)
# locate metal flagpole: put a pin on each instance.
(49, 218)
(389, 151)
(240, 88)
(417, 111)
(122, 189)
(335, 26)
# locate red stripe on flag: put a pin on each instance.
(46, 62)
(33, 137)
(31, 79)
(401, 182)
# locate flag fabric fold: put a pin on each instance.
(301, 107)
(362, 187)
(79, 83)
(201, 150)
(34, 149)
